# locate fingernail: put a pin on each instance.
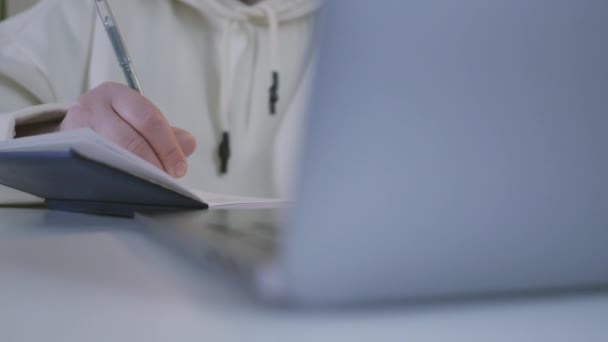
(180, 169)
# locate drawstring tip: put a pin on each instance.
(224, 152)
(274, 92)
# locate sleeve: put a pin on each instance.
(44, 58)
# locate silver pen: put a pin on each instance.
(107, 18)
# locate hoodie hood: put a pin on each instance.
(282, 10)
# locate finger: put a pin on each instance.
(150, 123)
(107, 123)
(115, 129)
(186, 141)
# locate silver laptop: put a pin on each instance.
(454, 148)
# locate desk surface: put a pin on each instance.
(71, 277)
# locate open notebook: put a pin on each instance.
(83, 172)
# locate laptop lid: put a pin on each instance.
(454, 148)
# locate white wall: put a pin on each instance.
(15, 6)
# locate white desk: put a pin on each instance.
(69, 277)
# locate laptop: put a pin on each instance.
(453, 148)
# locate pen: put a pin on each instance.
(107, 18)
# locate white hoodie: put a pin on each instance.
(207, 64)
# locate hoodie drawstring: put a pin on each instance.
(273, 28)
(225, 90)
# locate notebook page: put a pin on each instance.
(219, 201)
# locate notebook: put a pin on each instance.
(82, 171)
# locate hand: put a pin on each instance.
(127, 118)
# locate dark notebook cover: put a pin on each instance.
(71, 182)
